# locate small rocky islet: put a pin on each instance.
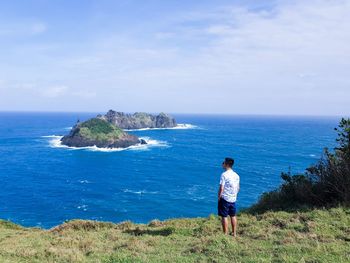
(107, 131)
(139, 120)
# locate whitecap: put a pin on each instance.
(139, 192)
(50, 136)
(55, 142)
(198, 198)
(82, 207)
(180, 126)
(84, 181)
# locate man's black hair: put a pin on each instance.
(229, 161)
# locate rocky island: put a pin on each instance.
(138, 120)
(100, 133)
(107, 131)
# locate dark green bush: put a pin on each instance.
(324, 184)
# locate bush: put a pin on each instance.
(325, 184)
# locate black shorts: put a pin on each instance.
(226, 208)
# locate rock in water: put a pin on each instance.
(100, 133)
(165, 121)
(139, 120)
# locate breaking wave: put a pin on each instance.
(180, 126)
(55, 142)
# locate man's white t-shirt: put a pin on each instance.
(230, 181)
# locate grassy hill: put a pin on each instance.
(310, 236)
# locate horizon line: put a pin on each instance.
(187, 113)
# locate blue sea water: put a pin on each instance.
(177, 176)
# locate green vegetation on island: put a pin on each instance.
(99, 129)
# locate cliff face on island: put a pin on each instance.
(139, 120)
(100, 133)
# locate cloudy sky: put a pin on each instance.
(234, 57)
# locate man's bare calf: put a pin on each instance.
(234, 225)
(224, 223)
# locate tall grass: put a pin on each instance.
(313, 236)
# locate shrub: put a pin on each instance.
(325, 184)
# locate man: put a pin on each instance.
(227, 196)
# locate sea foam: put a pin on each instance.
(140, 192)
(180, 126)
(55, 142)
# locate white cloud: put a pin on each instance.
(2, 84)
(22, 29)
(292, 58)
(55, 91)
(84, 94)
(37, 28)
(265, 51)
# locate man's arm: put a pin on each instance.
(221, 186)
(221, 189)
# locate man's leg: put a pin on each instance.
(234, 225)
(224, 224)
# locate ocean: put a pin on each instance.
(176, 175)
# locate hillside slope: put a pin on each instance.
(311, 236)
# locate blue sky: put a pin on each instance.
(234, 57)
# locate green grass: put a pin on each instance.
(310, 236)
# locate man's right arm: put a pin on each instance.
(221, 189)
(221, 186)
